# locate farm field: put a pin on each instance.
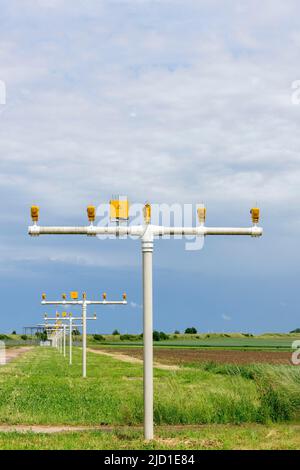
(211, 406)
(193, 356)
(276, 342)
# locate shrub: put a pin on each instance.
(156, 335)
(99, 338)
(128, 337)
(191, 331)
(163, 336)
(297, 330)
(159, 336)
(3, 337)
(176, 332)
(24, 337)
(115, 332)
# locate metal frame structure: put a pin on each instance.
(84, 303)
(70, 327)
(146, 233)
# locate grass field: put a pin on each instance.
(209, 437)
(271, 341)
(41, 388)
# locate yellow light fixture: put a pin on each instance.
(255, 213)
(74, 295)
(91, 212)
(147, 213)
(44, 296)
(35, 213)
(119, 208)
(124, 296)
(201, 211)
(64, 296)
(104, 296)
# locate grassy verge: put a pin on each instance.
(41, 388)
(211, 437)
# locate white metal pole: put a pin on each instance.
(84, 337)
(147, 250)
(64, 330)
(70, 340)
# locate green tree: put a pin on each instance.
(156, 335)
(115, 332)
(163, 336)
(191, 331)
(99, 338)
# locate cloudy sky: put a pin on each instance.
(169, 101)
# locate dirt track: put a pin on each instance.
(129, 358)
(184, 356)
(13, 353)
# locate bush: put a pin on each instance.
(115, 332)
(99, 338)
(14, 332)
(76, 332)
(3, 337)
(163, 336)
(159, 336)
(156, 335)
(176, 332)
(24, 337)
(128, 337)
(191, 331)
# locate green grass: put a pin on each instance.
(41, 388)
(211, 437)
(280, 342)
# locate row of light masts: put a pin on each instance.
(147, 233)
(74, 300)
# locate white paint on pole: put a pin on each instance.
(64, 330)
(84, 338)
(147, 250)
(2, 353)
(70, 341)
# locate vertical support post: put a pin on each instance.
(70, 341)
(64, 330)
(84, 336)
(147, 250)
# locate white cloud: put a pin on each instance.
(135, 305)
(208, 86)
(226, 317)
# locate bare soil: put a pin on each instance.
(129, 358)
(13, 353)
(180, 357)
